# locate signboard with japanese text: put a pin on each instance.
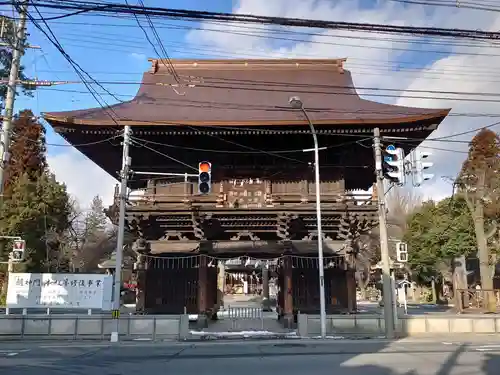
(60, 290)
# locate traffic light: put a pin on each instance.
(419, 167)
(401, 252)
(18, 247)
(204, 177)
(393, 164)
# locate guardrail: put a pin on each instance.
(309, 325)
(81, 326)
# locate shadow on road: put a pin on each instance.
(292, 358)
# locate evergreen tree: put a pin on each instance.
(96, 220)
(27, 150)
(35, 206)
(436, 234)
(478, 184)
(38, 211)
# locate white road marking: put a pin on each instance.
(488, 348)
(75, 346)
(12, 353)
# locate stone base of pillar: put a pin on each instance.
(266, 305)
(202, 321)
(288, 321)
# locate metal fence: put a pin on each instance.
(245, 318)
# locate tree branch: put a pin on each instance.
(492, 231)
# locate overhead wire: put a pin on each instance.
(451, 4)
(78, 69)
(399, 63)
(268, 20)
(166, 61)
(426, 98)
(263, 85)
(139, 144)
(240, 106)
(356, 45)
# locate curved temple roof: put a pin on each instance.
(247, 92)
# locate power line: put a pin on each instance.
(290, 86)
(165, 61)
(88, 6)
(78, 69)
(242, 106)
(266, 36)
(451, 4)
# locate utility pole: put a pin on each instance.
(124, 173)
(11, 93)
(384, 240)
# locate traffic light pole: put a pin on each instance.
(124, 173)
(17, 52)
(384, 239)
(10, 263)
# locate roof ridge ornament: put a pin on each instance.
(250, 63)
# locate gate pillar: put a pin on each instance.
(351, 291)
(287, 292)
(221, 283)
(140, 288)
(202, 284)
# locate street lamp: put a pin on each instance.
(296, 103)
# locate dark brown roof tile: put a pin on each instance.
(247, 92)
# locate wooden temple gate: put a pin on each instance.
(262, 202)
(188, 284)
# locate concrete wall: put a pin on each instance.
(81, 326)
(177, 327)
(406, 326)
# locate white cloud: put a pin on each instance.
(83, 178)
(138, 56)
(458, 72)
(371, 67)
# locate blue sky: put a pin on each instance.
(109, 49)
(115, 49)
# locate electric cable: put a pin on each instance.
(267, 20)
(139, 144)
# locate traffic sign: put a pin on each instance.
(18, 248)
(391, 148)
(19, 245)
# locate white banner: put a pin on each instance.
(60, 290)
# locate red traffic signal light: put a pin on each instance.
(204, 177)
(204, 166)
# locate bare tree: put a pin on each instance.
(91, 238)
(400, 203)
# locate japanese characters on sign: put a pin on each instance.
(88, 291)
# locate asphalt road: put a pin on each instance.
(294, 357)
